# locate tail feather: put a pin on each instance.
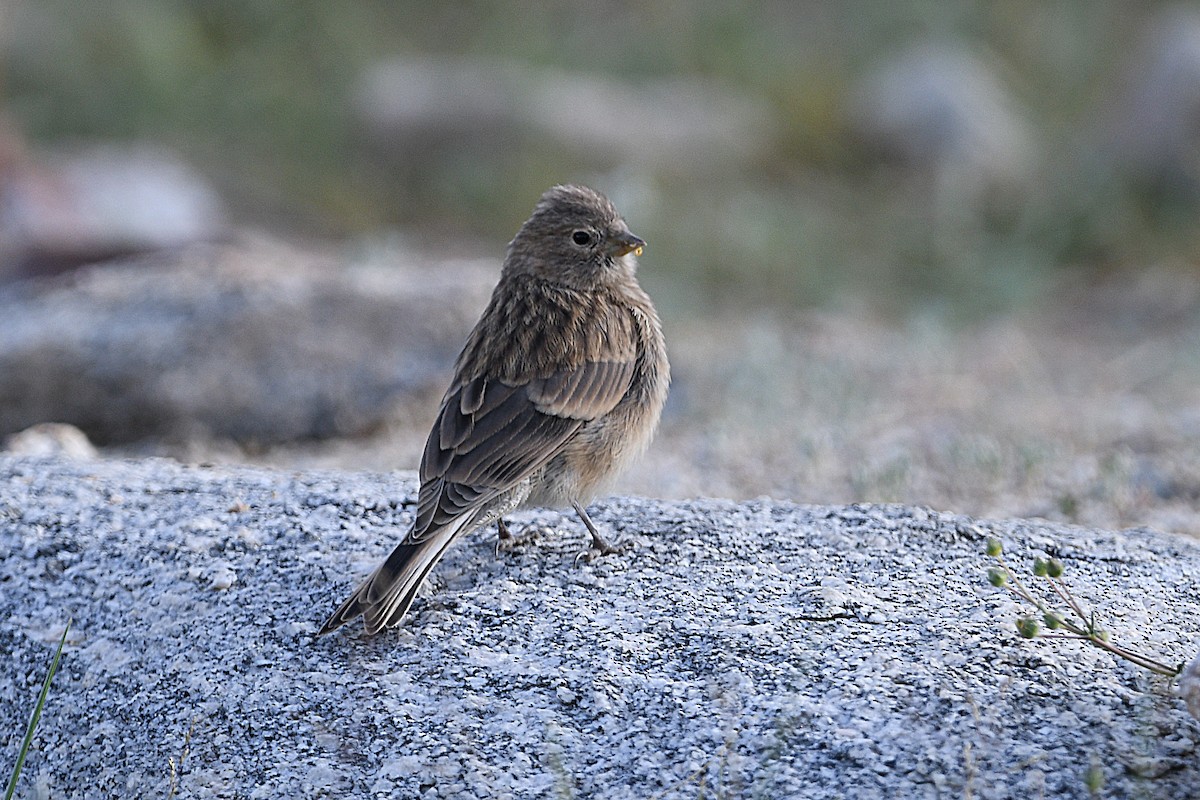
(384, 598)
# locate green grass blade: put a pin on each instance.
(37, 715)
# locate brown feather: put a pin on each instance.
(560, 382)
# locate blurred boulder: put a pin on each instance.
(255, 342)
(59, 210)
(1153, 125)
(418, 109)
(943, 112)
(51, 439)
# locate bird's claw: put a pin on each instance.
(508, 541)
(600, 548)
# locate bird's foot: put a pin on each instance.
(507, 541)
(601, 547)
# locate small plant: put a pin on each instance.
(177, 765)
(36, 716)
(1078, 624)
(1093, 777)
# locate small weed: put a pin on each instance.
(1078, 624)
(176, 765)
(1068, 506)
(36, 716)
(1093, 778)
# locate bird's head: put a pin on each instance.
(575, 237)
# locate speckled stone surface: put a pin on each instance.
(760, 649)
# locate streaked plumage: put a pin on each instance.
(559, 385)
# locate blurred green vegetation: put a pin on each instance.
(259, 94)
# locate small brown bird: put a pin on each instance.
(559, 385)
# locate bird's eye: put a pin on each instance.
(581, 238)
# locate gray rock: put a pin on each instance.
(62, 209)
(418, 107)
(761, 649)
(51, 439)
(252, 342)
(1154, 122)
(943, 112)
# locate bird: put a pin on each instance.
(559, 386)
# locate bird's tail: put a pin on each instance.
(383, 598)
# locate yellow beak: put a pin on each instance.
(626, 243)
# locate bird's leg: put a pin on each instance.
(598, 541)
(507, 540)
(504, 537)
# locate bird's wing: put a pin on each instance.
(490, 435)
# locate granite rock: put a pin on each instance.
(760, 649)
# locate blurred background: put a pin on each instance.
(910, 251)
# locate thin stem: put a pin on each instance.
(1070, 600)
(36, 716)
(1136, 658)
(1018, 587)
(1088, 631)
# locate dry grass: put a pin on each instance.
(1085, 408)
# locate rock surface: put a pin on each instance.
(250, 341)
(431, 108)
(761, 649)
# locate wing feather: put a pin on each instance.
(490, 435)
